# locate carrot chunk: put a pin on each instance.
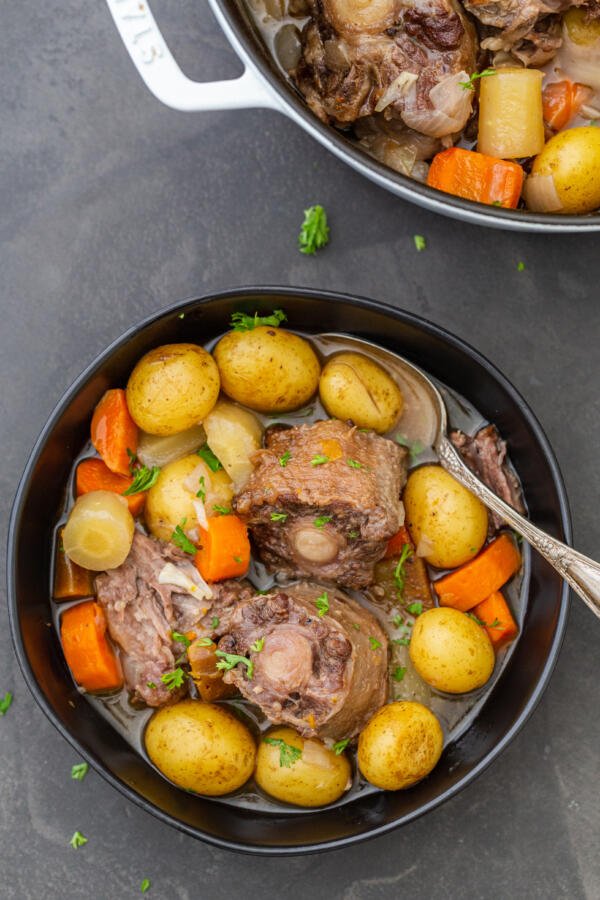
(71, 582)
(476, 580)
(224, 549)
(497, 619)
(475, 176)
(561, 101)
(90, 657)
(397, 542)
(114, 432)
(94, 475)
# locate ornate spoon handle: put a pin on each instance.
(582, 573)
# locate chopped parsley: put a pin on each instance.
(204, 642)
(319, 459)
(79, 771)
(201, 492)
(173, 679)
(143, 479)
(415, 448)
(475, 618)
(415, 609)
(222, 510)
(237, 559)
(258, 644)
(353, 535)
(398, 622)
(470, 84)
(78, 840)
(322, 604)
(145, 885)
(214, 622)
(356, 626)
(399, 571)
(320, 521)
(206, 454)
(375, 644)
(420, 242)
(399, 673)
(228, 661)
(181, 540)
(288, 754)
(496, 202)
(520, 266)
(151, 685)
(284, 460)
(314, 233)
(278, 517)
(354, 464)
(402, 642)
(242, 322)
(495, 624)
(180, 638)
(339, 746)
(132, 459)
(5, 703)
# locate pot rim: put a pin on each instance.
(241, 293)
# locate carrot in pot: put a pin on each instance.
(476, 580)
(94, 475)
(91, 659)
(475, 176)
(397, 542)
(114, 432)
(71, 582)
(497, 619)
(224, 549)
(562, 101)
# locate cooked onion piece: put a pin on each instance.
(99, 531)
(571, 160)
(156, 450)
(233, 435)
(362, 15)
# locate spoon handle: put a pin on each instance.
(582, 573)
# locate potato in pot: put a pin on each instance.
(355, 387)
(451, 651)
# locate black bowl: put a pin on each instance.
(39, 499)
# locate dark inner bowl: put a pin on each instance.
(40, 496)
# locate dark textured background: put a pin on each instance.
(113, 206)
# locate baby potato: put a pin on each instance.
(267, 369)
(172, 388)
(99, 531)
(447, 523)
(172, 499)
(355, 387)
(572, 159)
(400, 745)
(201, 747)
(300, 771)
(450, 651)
(233, 434)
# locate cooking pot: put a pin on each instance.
(263, 85)
(39, 501)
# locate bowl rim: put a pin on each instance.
(243, 37)
(251, 292)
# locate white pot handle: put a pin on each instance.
(157, 67)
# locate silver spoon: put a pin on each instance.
(580, 572)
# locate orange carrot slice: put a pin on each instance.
(476, 580)
(497, 619)
(224, 549)
(90, 657)
(561, 102)
(475, 176)
(114, 432)
(396, 543)
(94, 475)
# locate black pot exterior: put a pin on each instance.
(41, 492)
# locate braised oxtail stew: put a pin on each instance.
(264, 580)
(497, 102)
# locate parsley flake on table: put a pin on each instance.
(143, 479)
(520, 266)
(206, 454)
(322, 604)
(181, 540)
(288, 754)
(420, 242)
(399, 571)
(78, 840)
(174, 679)
(314, 233)
(399, 673)
(145, 885)
(228, 661)
(5, 703)
(320, 521)
(470, 84)
(375, 644)
(242, 322)
(319, 460)
(79, 771)
(339, 746)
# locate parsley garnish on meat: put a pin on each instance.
(228, 661)
(201, 492)
(258, 644)
(143, 479)
(375, 644)
(320, 521)
(181, 540)
(470, 84)
(415, 448)
(353, 535)
(319, 459)
(204, 642)
(399, 673)
(420, 242)
(151, 685)
(322, 604)
(288, 754)
(356, 626)
(415, 609)
(180, 638)
(278, 517)
(78, 840)
(173, 679)
(399, 572)
(5, 703)
(242, 322)
(79, 771)
(354, 464)
(145, 885)
(314, 233)
(206, 454)
(214, 622)
(284, 460)
(221, 510)
(339, 746)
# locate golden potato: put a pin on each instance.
(201, 747)
(450, 651)
(172, 388)
(99, 531)
(300, 771)
(174, 496)
(400, 745)
(572, 160)
(355, 387)
(267, 369)
(447, 523)
(233, 434)
(157, 450)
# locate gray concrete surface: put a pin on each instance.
(113, 206)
